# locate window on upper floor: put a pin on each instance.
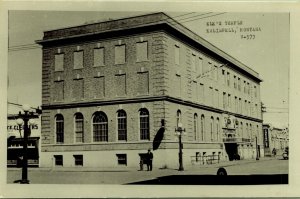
(99, 57)
(78, 59)
(255, 91)
(193, 62)
(142, 51)
(224, 76)
(228, 79)
(200, 66)
(234, 82)
(177, 54)
(239, 84)
(59, 62)
(120, 54)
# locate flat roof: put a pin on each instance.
(139, 22)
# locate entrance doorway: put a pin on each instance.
(232, 151)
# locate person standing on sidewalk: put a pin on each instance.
(149, 158)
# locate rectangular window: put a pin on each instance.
(78, 160)
(120, 85)
(200, 65)
(193, 62)
(99, 87)
(58, 160)
(122, 159)
(229, 101)
(234, 82)
(194, 91)
(239, 84)
(143, 83)
(78, 59)
(59, 62)
(216, 73)
(177, 84)
(99, 57)
(177, 54)
(228, 79)
(78, 89)
(248, 86)
(216, 97)
(224, 76)
(211, 95)
(58, 92)
(241, 105)
(255, 91)
(142, 51)
(245, 88)
(120, 54)
(201, 92)
(224, 100)
(236, 104)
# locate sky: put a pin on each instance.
(266, 50)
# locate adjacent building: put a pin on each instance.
(113, 89)
(275, 138)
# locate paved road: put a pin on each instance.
(273, 170)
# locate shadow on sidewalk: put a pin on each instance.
(217, 180)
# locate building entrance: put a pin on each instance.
(232, 151)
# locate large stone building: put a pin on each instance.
(109, 89)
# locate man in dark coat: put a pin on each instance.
(149, 158)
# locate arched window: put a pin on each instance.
(122, 125)
(178, 117)
(100, 127)
(212, 128)
(79, 127)
(59, 128)
(202, 127)
(144, 124)
(195, 126)
(218, 129)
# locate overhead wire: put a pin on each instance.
(184, 20)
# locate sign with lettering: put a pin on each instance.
(13, 129)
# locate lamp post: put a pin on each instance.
(26, 118)
(179, 131)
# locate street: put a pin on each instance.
(263, 171)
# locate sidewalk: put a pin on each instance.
(194, 167)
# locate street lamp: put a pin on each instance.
(26, 117)
(179, 131)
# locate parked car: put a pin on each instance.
(285, 155)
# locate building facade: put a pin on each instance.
(275, 138)
(111, 90)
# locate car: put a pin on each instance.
(285, 155)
